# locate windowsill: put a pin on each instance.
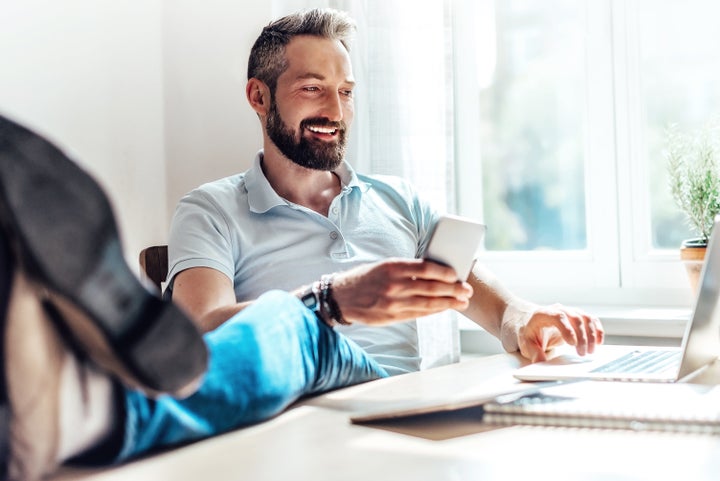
(623, 325)
(666, 322)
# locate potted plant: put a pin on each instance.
(693, 160)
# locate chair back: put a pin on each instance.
(154, 264)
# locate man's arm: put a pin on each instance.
(207, 295)
(397, 290)
(378, 293)
(528, 327)
(401, 289)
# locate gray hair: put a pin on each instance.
(267, 56)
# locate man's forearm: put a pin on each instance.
(495, 308)
(217, 317)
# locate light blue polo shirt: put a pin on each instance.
(239, 226)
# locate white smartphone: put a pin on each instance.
(454, 243)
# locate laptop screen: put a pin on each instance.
(701, 343)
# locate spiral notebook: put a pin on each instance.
(686, 408)
(700, 345)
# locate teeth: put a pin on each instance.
(321, 130)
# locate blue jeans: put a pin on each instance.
(261, 360)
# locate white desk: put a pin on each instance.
(315, 441)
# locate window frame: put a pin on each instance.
(619, 267)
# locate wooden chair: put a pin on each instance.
(154, 264)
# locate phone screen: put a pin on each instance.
(455, 242)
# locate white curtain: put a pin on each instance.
(402, 61)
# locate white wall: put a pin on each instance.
(211, 132)
(148, 95)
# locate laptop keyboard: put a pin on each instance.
(642, 361)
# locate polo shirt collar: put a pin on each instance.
(349, 178)
(262, 197)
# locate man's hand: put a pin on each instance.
(548, 327)
(398, 289)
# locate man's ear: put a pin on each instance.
(258, 95)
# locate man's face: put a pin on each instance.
(312, 107)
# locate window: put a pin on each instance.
(560, 111)
(678, 82)
(531, 132)
(546, 121)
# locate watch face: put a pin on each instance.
(310, 301)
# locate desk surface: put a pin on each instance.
(316, 441)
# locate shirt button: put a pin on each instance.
(333, 235)
(334, 210)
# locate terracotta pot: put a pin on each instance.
(692, 256)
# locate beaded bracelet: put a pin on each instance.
(328, 302)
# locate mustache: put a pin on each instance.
(323, 122)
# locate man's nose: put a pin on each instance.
(333, 107)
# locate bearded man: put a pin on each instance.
(301, 213)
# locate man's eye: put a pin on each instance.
(311, 89)
(347, 93)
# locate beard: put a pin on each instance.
(308, 153)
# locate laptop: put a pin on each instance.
(699, 348)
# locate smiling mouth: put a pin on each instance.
(322, 130)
